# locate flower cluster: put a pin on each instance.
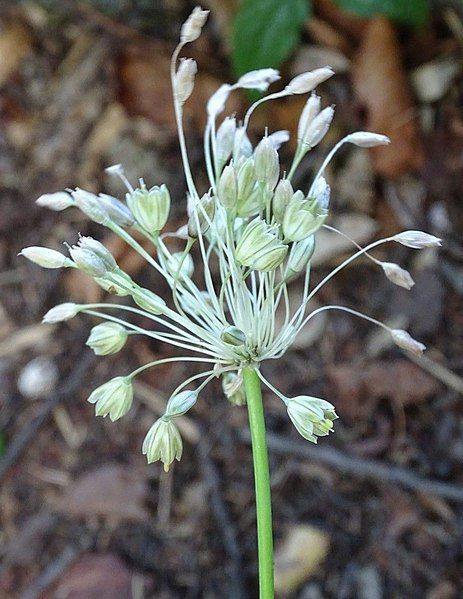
(251, 226)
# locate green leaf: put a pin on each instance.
(409, 12)
(265, 32)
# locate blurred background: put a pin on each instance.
(375, 511)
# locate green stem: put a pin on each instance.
(262, 482)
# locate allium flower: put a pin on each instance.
(251, 226)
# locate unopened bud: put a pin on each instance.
(45, 257)
(313, 417)
(55, 201)
(233, 336)
(281, 198)
(225, 140)
(259, 248)
(117, 210)
(300, 254)
(417, 240)
(406, 341)
(365, 139)
(216, 102)
(149, 301)
(266, 163)
(302, 217)
(107, 338)
(192, 27)
(397, 275)
(185, 80)
(309, 112)
(318, 128)
(321, 192)
(150, 207)
(114, 398)
(279, 138)
(227, 189)
(180, 403)
(233, 388)
(88, 243)
(242, 147)
(246, 183)
(61, 312)
(88, 262)
(306, 82)
(163, 442)
(201, 217)
(259, 79)
(90, 205)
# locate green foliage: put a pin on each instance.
(409, 12)
(265, 32)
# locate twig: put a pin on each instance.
(20, 442)
(362, 468)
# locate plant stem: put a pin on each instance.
(262, 482)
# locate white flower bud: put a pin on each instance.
(180, 264)
(107, 338)
(259, 248)
(92, 245)
(406, 341)
(309, 112)
(300, 254)
(225, 139)
(227, 189)
(88, 262)
(281, 198)
(116, 210)
(365, 139)
(55, 201)
(259, 79)
(45, 257)
(150, 207)
(266, 163)
(163, 442)
(321, 192)
(202, 215)
(306, 82)
(149, 301)
(318, 128)
(180, 403)
(90, 205)
(61, 312)
(417, 240)
(114, 398)
(397, 275)
(312, 417)
(192, 27)
(302, 217)
(233, 336)
(233, 388)
(242, 147)
(246, 183)
(279, 138)
(185, 80)
(216, 102)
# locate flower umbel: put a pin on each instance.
(251, 226)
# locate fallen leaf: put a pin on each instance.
(91, 575)
(299, 556)
(110, 491)
(382, 87)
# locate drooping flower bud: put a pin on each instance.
(55, 201)
(306, 82)
(302, 217)
(300, 254)
(107, 338)
(259, 79)
(150, 207)
(227, 189)
(397, 275)
(233, 336)
(92, 245)
(417, 240)
(163, 442)
(180, 403)
(259, 248)
(318, 128)
(233, 388)
(308, 114)
(113, 397)
(185, 80)
(365, 139)
(225, 140)
(406, 341)
(45, 257)
(202, 214)
(61, 312)
(281, 198)
(313, 417)
(88, 262)
(149, 301)
(266, 163)
(192, 27)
